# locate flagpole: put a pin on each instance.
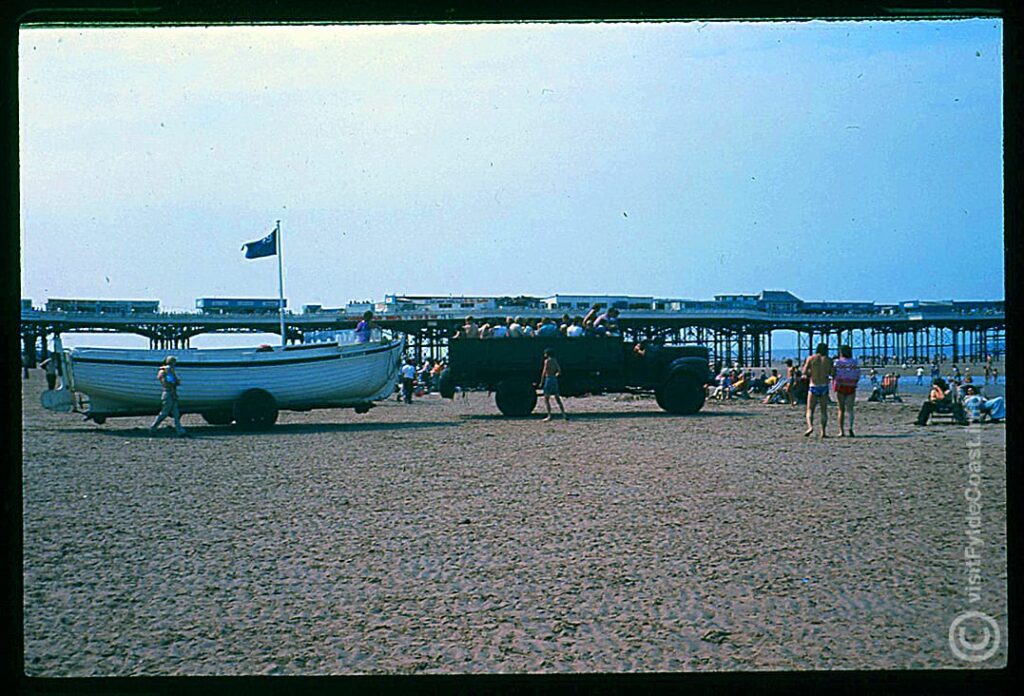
(280, 283)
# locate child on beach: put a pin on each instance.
(792, 374)
(549, 381)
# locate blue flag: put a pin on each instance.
(264, 247)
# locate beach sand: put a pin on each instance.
(442, 538)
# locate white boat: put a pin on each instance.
(247, 386)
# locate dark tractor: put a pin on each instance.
(511, 367)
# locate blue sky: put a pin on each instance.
(853, 160)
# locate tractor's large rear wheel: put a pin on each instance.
(445, 384)
(682, 393)
(515, 397)
(255, 410)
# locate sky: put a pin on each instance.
(837, 160)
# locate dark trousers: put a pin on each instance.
(930, 407)
(51, 382)
(407, 389)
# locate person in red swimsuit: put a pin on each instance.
(845, 377)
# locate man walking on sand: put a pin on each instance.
(549, 381)
(818, 368)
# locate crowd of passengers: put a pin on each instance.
(594, 323)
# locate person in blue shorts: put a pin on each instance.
(549, 381)
(818, 368)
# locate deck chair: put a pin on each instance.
(888, 390)
(777, 392)
(952, 408)
(892, 390)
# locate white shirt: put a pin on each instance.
(499, 332)
(574, 330)
(409, 371)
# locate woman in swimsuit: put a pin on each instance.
(845, 376)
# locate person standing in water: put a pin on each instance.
(818, 368)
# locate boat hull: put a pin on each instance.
(124, 382)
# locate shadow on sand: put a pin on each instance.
(876, 436)
(889, 436)
(604, 415)
(209, 431)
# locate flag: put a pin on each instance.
(264, 247)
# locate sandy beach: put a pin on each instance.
(442, 538)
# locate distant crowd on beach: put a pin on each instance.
(955, 395)
(419, 380)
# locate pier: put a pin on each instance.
(738, 330)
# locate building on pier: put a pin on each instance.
(580, 304)
(409, 303)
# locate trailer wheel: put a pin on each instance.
(255, 410)
(218, 417)
(99, 420)
(363, 408)
(445, 384)
(659, 397)
(515, 397)
(682, 393)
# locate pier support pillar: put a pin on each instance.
(28, 345)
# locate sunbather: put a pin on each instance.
(979, 409)
(940, 397)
